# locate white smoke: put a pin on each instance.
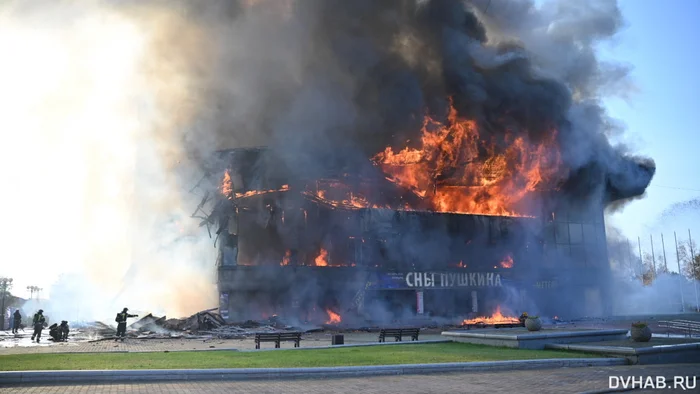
(95, 180)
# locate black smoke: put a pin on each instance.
(327, 84)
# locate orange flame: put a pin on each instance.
(344, 197)
(286, 258)
(507, 262)
(496, 318)
(284, 188)
(322, 258)
(227, 186)
(333, 318)
(450, 170)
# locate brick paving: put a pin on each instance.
(24, 345)
(564, 380)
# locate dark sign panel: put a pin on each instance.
(436, 280)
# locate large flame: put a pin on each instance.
(496, 318)
(333, 318)
(459, 170)
(455, 170)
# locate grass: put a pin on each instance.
(370, 355)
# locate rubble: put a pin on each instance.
(204, 325)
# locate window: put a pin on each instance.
(589, 234)
(549, 237)
(562, 233)
(560, 215)
(578, 255)
(576, 233)
(563, 250)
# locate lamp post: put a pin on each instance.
(5, 285)
(32, 290)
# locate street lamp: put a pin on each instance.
(5, 285)
(32, 290)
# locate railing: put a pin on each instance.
(688, 328)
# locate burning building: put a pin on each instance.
(447, 175)
(378, 246)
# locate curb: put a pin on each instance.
(159, 375)
(247, 350)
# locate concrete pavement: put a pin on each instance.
(155, 375)
(23, 345)
(560, 381)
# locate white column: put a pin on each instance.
(419, 302)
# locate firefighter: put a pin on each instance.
(121, 323)
(39, 321)
(63, 331)
(54, 333)
(16, 321)
(522, 318)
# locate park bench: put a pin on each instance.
(398, 333)
(277, 337)
(509, 325)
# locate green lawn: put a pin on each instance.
(370, 355)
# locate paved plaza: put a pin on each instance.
(564, 380)
(25, 346)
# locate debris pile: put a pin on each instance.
(205, 320)
(206, 324)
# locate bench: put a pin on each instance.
(509, 325)
(398, 333)
(277, 337)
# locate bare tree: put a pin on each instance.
(690, 265)
(648, 275)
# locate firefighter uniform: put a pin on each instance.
(53, 332)
(121, 323)
(38, 321)
(16, 321)
(63, 331)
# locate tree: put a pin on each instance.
(691, 270)
(5, 286)
(690, 265)
(648, 273)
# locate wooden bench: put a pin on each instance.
(277, 337)
(398, 333)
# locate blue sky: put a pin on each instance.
(662, 117)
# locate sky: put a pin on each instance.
(661, 44)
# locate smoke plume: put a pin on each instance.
(95, 99)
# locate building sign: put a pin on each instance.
(452, 279)
(546, 284)
(435, 280)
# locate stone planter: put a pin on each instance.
(533, 324)
(640, 333)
